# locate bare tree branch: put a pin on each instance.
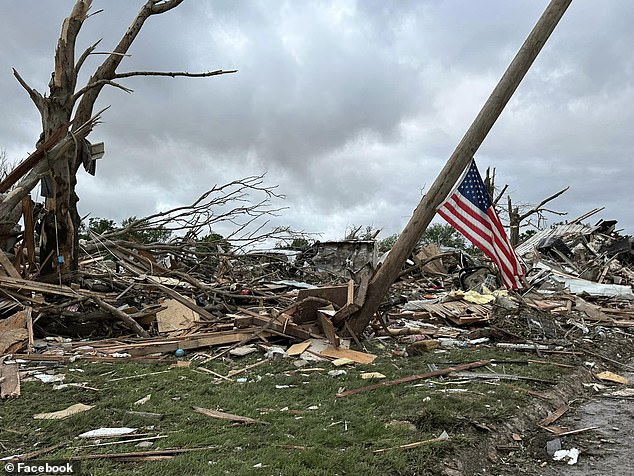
(162, 6)
(85, 54)
(173, 74)
(65, 76)
(100, 83)
(35, 96)
(541, 204)
(495, 202)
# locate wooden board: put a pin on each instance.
(176, 317)
(328, 329)
(8, 266)
(358, 357)
(335, 294)
(225, 416)
(13, 333)
(298, 349)
(10, 386)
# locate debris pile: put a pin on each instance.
(177, 299)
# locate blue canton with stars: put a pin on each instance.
(472, 188)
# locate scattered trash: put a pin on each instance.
(225, 416)
(62, 414)
(107, 432)
(569, 456)
(143, 400)
(46, 378)
(336, 373)
(612, 377)
(552, 446)
(372, 375)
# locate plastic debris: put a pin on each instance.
(106, 432)
(570, 456)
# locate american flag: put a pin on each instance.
(470, 211)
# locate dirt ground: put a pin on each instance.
(606, 450)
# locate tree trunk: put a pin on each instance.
(57, 250)
(59, 233)
(514, 223)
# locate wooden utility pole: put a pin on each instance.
(457, 163)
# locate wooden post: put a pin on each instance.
(457, 163)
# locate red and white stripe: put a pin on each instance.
(486, 232)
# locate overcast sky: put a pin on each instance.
(352, 108)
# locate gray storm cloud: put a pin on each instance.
(351, 107)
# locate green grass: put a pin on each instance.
(336, 438)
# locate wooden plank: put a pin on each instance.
(27, 164)
(29, 232)
(344, 313)
(288, 328)
(298, 349)
(190, 343)
(45, 288)
(554, 416)
(8, 266)
(29, 328)
(92, 358)
(184, 301)
(335, 294)
(175, 317)
(225, 416)
(13, 333)
(358, 357)
(141, 454)
(350, 297)
(363, 288)
(328, 329)
(10, 377)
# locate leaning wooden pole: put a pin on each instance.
(457, 163)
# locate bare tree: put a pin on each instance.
(516, 217)
(69, 106)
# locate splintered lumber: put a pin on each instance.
(8, 266)
(344, 313)
(335, 294)
(287, 328)
(457, 163)
(27, 164)
(329, 330)
(184, 301)
(9, 380)
(45, 288)
(62, 414)
(339, 353)
(298, 349)
(176, 317)
(350, 296)
(194, 341)
(13, 333)
(554, 416)
(92, 358)
(225, 416)
(413, 378)
(36, 453)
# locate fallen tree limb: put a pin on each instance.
(127, 320)
(412, 378)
